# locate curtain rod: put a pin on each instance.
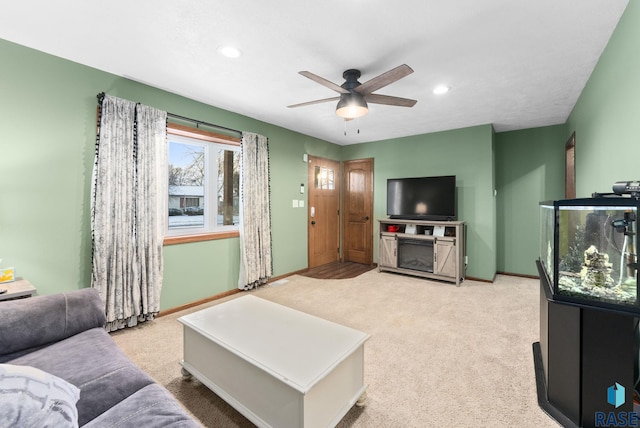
(188, 119)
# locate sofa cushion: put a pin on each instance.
(152, 406)
(29, 324)
(93, 362)
(30, 397)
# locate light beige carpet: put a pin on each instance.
(439, 355)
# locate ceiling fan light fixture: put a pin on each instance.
(351, 105)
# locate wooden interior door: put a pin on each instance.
(357, 203)
(570, 168)
(323, 213)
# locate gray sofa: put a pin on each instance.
(58, 343)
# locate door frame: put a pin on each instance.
(344, 215)
(341, 212)
(570, 167)
(570, 174)
(311, 203)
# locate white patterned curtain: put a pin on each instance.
(129, 210)
(255, 213)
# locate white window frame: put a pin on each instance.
(211, 143)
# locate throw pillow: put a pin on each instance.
(30, 397)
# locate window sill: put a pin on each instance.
(173, 240)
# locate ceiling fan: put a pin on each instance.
(354, 95)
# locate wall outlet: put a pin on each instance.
(295, 203)
(301, 203)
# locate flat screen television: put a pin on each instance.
(422, 198)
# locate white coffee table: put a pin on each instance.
(277, 366)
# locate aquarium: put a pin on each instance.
(588, 249)
(547, 222)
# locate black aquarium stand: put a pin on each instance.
(582, 352)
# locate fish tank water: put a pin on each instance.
(588, 249)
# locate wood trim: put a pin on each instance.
(570, 167)
(221, 295)
(286, 275)
(368, 240)
(198, 302)
(472, 278)
(519, 275)
(188, 131)
(185, 239)
(323, 239)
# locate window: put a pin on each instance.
(323, 178)
(204, 182)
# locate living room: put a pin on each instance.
(49, 131)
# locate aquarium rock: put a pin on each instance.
(596, 270)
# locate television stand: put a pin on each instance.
(429, 249)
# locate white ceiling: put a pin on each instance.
(514, 63)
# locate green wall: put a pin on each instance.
(47, 139)
(606, 118)
(466, 153)
(530, 163)
(529, 169)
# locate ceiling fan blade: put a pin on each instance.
(384, 79)
(308, 103)
(324, 82)
(389, 100)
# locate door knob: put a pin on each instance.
(365, 217)
(313, 222)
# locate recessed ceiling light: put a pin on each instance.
(441, 89)
(229, 51)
